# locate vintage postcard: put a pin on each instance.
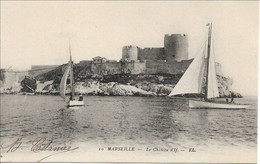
(129, 81)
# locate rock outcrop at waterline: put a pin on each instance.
(28, 84)
(86, 82)
(138, 87)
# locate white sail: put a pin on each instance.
(192, 80)
(64, 81)
(71, 77)
(212, 77)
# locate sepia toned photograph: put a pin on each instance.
(129, 81)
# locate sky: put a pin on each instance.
(38, 33)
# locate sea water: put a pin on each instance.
(152, 126)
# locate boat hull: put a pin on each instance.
(214, 105)
(76, 103)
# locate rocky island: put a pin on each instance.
(140, 72)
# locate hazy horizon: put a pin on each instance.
(38, 33)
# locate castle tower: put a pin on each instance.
(176, 47)
(129, 53)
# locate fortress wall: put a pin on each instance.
(97, 68)
(145, 67)
(113, 67)
(128, 67)
(106, 68)
(157, 66)
(177, 67)
(151, 54)
(139, 68)
(161, 66)
(109, 68)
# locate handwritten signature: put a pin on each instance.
(40, 144)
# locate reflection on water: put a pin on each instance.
(126, 120)
(65, 125)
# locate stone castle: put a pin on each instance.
(170, 59)
(175, 49)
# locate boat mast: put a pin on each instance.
(71, 74)
(208, 56)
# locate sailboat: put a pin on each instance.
(200, 80)
(69, 71)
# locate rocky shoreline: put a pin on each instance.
(89, 83)
(97, 88)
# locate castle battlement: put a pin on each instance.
(130, 46)
(175, 35)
